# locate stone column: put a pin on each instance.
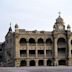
(44, 50)
(27, 50)
(36, 51)
(27, 62)
(69, 52)
(17, 50)
(36, 62)
(55, 49)
(45, 62)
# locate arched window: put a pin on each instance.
(40, 40)
(48, 41)
(49, 62)
(23, 40)
(32, 63)
(40, 62)
(23, 63)
(61, 41)
(62, 62)
(61, 48)
(31, 40)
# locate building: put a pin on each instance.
(37, 48)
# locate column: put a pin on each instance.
(69, 52)
(27, 62)
(36, 62)
(55, 52)
(45, 62)
(44, 50)
(36, 51)
(27, 50)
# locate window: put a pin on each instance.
(40, 40)
(22, 53)
(31, 40)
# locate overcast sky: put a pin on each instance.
(33, 14)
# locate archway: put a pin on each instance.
(31, 41)
(40, 40)
(61, 43)
(48, 41)
(49, 62)
(23, 63)
(32, 63)
(40, 62)
(62, 62)
(23, 40)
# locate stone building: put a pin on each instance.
(38, 48)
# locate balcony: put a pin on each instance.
(23, 55)
(61, 55)
(32, 55)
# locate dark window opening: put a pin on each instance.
(49, 41)
(31, 51)
(32, 63)
(62, 62)
(49, 53)
(23, 40)
(61, 41)
(40, 40)
(49, 62)
(0, 49)
(62, 49)
(23, 63)
(40, 62)
(31, 40)
(40, 51)
(22, 53)
(0, 58)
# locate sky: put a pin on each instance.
(33, 14)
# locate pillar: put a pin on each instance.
(55, 49)
(69, 52)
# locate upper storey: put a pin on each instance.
(58, 27)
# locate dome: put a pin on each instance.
(68, 26)
(16, 25)
(59, 19)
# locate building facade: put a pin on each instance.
(37, 48)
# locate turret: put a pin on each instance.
(16, 28)
(68, 27)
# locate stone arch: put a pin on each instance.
(23, 63)
(32, 63)
(41, 62)
(32, 40)
(23, 40)
(40, 40)
(49, 62)
(61, 43)
(49, 41)
(62, 62)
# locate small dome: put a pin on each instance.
(68, 26)
(59, 19)
(16, 25)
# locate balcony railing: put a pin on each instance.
(23, 55)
